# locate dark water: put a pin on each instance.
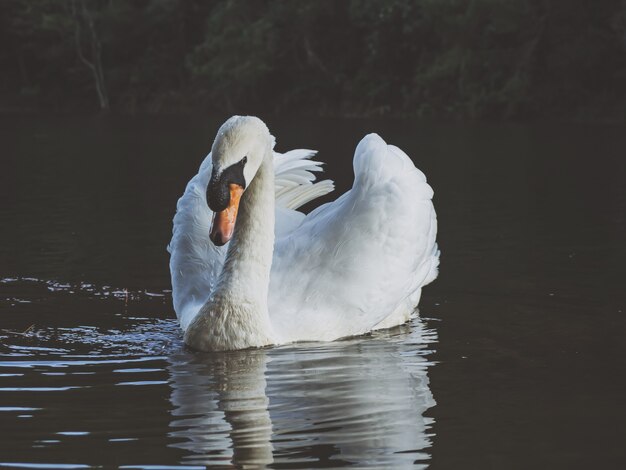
(518, 361)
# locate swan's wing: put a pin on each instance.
(354, 261)
(195, 262)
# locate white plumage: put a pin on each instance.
(350, 266)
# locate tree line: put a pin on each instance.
(464, 58)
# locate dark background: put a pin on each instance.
(108, 107)
(495, 59)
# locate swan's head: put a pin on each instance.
(237, 153)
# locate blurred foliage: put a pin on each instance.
(467, 58)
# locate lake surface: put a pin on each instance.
(518, 359)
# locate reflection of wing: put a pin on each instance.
(195, 262)
(352, 262)
(360, 401)
(367, 403)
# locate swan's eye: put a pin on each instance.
(244, 160)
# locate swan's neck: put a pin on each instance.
(236, 315)
(246, 273)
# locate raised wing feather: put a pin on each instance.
(294, 179)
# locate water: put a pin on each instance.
(518, 360)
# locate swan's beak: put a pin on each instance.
(224, 221)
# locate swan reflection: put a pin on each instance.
(360, 402)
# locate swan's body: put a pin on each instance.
(350, 266)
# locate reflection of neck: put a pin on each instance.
(238, 380)
(236, 315)
(244, 402)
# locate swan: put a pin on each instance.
(249, 270)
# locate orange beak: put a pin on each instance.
(223, 225)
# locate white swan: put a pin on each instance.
(350, 266)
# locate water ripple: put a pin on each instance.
(120, 376)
